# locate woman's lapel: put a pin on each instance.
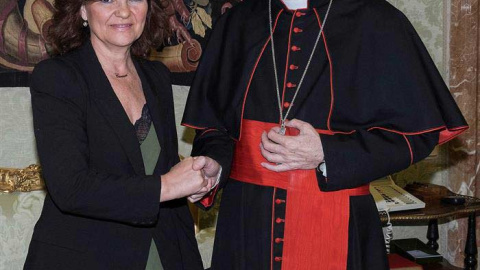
(111, 108)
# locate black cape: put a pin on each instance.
(382, 74)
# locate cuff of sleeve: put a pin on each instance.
(322, 181)
(329, 143)
(219, 175)
(209, 199)
(151, 195)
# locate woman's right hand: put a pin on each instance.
(181, 181)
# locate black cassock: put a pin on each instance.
(372, 92)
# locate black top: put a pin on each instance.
(142, 125)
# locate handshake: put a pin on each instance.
(193, 177)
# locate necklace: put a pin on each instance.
(120, 76)
(282, 117)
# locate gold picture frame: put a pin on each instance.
(21, 180)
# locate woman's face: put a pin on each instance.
(115, 23)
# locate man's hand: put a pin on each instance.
(210, 169)
(303, 151)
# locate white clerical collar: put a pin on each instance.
(295, 4)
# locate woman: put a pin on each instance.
(105, 131)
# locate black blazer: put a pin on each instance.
(101, 210)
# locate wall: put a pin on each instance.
(18, 211)
(464, 153)
(456, 164)
(430, 21)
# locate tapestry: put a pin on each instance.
(24, 24)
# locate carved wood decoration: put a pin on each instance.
(21, 180)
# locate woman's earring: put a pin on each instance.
(85, 23)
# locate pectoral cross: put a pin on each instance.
(282, 129)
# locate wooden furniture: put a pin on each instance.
(434, 210)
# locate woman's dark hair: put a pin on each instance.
(67, 31)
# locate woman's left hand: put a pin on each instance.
(304, 151)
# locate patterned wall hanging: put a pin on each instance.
(23, 24)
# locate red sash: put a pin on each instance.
(316, 222)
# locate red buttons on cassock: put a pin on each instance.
(279, 220)
(278, 201)
(293, 67)
(278, 240)
(278, 259)
(295, 48)
(297, 30)
(286, 104)
(300, 14)
(291, 85)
